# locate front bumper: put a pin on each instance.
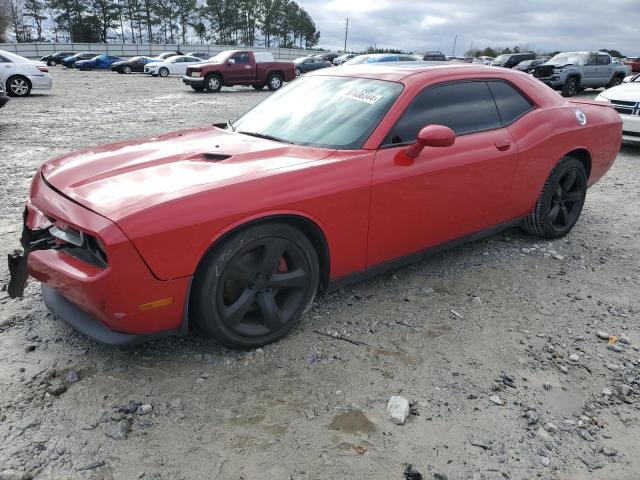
(122, 297)
(192, 80)
(630, 128)
(3, 100)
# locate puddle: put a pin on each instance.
(353, 421)
(560, 402)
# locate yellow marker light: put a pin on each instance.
(163, 302)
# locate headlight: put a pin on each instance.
(559, 70)
(196, 74)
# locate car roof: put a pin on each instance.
(396, 71)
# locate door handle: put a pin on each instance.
(503, 145)
(247, 67)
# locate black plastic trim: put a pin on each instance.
(94, 329)
(415, 257)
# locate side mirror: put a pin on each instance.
(231, 61)
(431, 136)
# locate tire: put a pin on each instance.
(18, 86)
(212, 83)
(126, 69)
(274, 82)
(53, 63)
(236, 297)
(87, 68)
(163, 72)
(257, 87)
(298, 72)
(560, 203)
(198, 88)
(570, 87)
(615, 81)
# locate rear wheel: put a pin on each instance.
(253, 288)
(570, 87)
(560, 203)
(212, 83)
(18, 86)
(615, 81)
(274, 82)
(298, 72)
(163, 72)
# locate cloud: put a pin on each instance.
(543, 25)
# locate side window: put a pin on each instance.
(464, 107)
(604, 59)
(4, 59)
(511, 103)
(592, 60)
(241, 57)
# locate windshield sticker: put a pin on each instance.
(362, 96)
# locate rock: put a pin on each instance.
(606, 391)
(603, 335)
(544, 461)
(563, 368)
(532, 417)
(410, 473)
(586, 435)
(495, 399)
(398, 409)
(625, 390)
(547, 386)
(624, 339)
(550, 427)
(145, 409)
(440, 476)
(614, 348)
(56, 389)
(574, 357)
(612, 366)
(14, 475)
(30, 348)
(609, 452)
(592, 463)
(72, 377)
(119, 431)
(476, 301)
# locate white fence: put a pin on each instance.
(37, 50)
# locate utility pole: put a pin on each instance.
(346, 32)
(455, 40)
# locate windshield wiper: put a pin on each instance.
(265, 136)
(229, 126)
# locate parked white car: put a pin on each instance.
(22, 75)
(483, 60)
(625, 99)
(176, 65)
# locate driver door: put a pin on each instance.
(590, 72)
(240, 70)
(446, 193)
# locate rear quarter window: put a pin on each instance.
(510, 102)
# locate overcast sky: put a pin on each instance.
(432, 24)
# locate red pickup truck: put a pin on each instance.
(634, 63)
(239, 67)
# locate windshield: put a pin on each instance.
(567, 58)
(330, 112)
(219, 58)
(502, 58)
(358, 60)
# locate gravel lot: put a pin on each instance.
(494, 344)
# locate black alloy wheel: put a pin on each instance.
(255, 287)
(560, 203)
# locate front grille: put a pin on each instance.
(631, 134)
(543, 72)
(624, 107)
(623, 111)
(624, 102)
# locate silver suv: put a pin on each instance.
(571, 72)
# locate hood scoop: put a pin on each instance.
(215, 157)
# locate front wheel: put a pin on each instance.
(298, 72)
(126, 69)
(163, 72)
(274, 82)
(212, 83)
(254, 287)
(570, 87)
(560, 203)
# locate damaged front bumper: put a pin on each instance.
(93, 277)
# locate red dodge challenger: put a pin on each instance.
(340, 175)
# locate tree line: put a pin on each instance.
(270, 23)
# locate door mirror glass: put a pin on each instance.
(432, 136)
(231, 61)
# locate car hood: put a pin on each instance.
(124, 178)
(556, 65)
(627, 92)
(154, 64)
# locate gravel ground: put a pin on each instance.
(494, 345)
